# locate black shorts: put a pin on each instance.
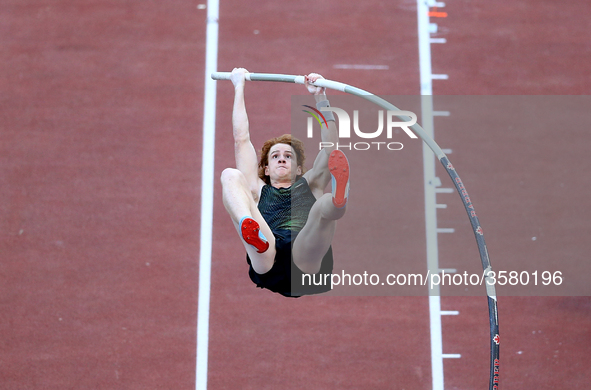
(285, 277)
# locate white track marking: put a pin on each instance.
(207, 182)
(432, 186)
(424, 28)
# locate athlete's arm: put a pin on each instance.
(244, 152)
(319, 176)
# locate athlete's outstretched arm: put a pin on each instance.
(244, 151)
(319, 176)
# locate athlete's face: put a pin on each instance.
(283, 163)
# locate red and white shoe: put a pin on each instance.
(251, 233)
(338, 166)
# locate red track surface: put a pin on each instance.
(100, 120)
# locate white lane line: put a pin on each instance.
(436, 341)
(446, 230)
(438, 40)
(430, 181)
(450, 313)
(207, 182)
(361, 66)
(439, 77)
(451, 356)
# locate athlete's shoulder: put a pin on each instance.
(300, 182)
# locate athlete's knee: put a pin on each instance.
(231, 176)
(263, 265)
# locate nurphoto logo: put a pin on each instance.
(394, 119)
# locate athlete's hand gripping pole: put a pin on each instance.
(284, 78)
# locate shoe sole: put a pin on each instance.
(250, 233)
(338, 166)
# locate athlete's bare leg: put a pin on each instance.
(313, 241)
(239, 203)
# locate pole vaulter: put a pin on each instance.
(461, 189)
